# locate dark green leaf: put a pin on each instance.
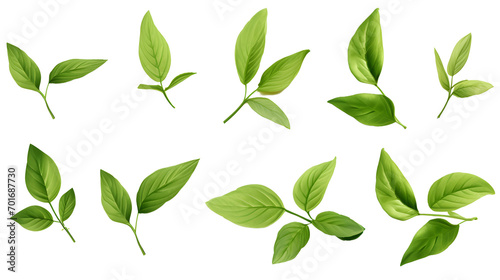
(291, 239)
(33, 218)
(67, 204)
(269, 110)
(368, 109)
(470, 87)
(42, 176)
(338, 225)
(73, 69)
(281, 74)
(115, 199)
(179, 79)
(443, 77)
(23, 69)
(459, 55)
(154, 52)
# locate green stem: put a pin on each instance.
(448, 216)
(134, 230)
(395, 118)
(61, 222)
(241, 105)
(44, 96)
(165, 94)
(447, 100)
(295, 214)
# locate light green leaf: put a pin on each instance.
(368, 109)
(433, 238)
(250, 46)
(253, 206)
(281, 74)
(470, 87)
(42, 176)
(443, 77)
(179, 79)
(67, 204)
(153, 87)
(115, 199)
(366, 51)
(33, 218)
(457, 190)
(394, 193)
(311, 186)
(459, 55)
(23, 69)
(154, 52)
(291, 239)
(269, 110)
(73, 69)
(338, 225)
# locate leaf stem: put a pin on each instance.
(241, 105)
(395, 118)
(44, 96)
(61, 222)
(449, 216)
(295, 214)
(134, 230)
(165, 94)
(449, 96)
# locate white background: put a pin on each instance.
(184, 239)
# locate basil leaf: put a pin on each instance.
(269, 110)
(154, 52)
(291, 239)
(253, 206)
(33, 218)
(443, 77)
(459, 55)
(365, 53)
(67, 204)
(281, 74)
(470, 87)
(163, 185)
(23, 69)
(153, 87)
(394, 193)
(338, 225)
(115, 199)
(433, 238)
(179, 79)
(457, 190)
(250, 46)
(368, 109)
(73, 69)
(42, 176)
(311, 186)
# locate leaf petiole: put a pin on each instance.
(165, 94)
(449, 216)
(44, 96)
(241, 105)
(449, 96)
(135, 234)
(300, 216)
(61, 222)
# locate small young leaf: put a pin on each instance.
(459, 55)
(338, 225)
(73, 69)
(470, 87)
(269, 110)
(33, 218)
(394, 193)
(67, 204)
(433, 238)
(115, 199)
(163, 185)
(42, 176)
(457, 190)
(179, 79)
(366, 51)
(291, 239)
(253, 206)
(443, 77)
(368, 109)
(23, 69)
(153, 87)
(281, 74)
(154, 52)
(311, 186)
(250, 46)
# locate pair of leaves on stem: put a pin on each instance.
(462, 89)
(157, 189)
(248, 54)
(256, 206)
(154, 54)
(44, 182)
(27, 75)
(447, 194)
(366, 57)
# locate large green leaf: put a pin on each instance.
(115, 199)
(154, 52)
(67, 204)
(368, 109)
(459, 55)
(33, 218)
(470, 87)
(23, 69)
(281, 74)
(291, 239)
(443, 77)
(73, 69)
(42, 176)
(269, 110)
(338, 225)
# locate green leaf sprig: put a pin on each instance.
(157, 189)
(462, 89)
(248, 54)
(154, 54)
(256, 206)
(447, 194)
(44, 182)
(27, 75)
(366, 57)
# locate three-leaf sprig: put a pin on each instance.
(27, 75)
(248, 54)
(447, 194)
(256, 206)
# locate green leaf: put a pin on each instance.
(23, 69)
(33, 218)
(115, 199)
(368, 109)
(291, 239)
(433, 238)
(443, 77)
(73, 69)
(179, 79)
(470, 87)
(338, 225)
(154, 52)
(67, 204)
(311, 186)
(281, 74)
(250, 46)
(153, 87)
(163, 185)
(269, 110)
(459, 55)
(366, 51)
(253, 206)
(394, 193)
(457, 190)
(42, 176)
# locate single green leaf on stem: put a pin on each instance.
(67, 204)
(291, 239)
(459, 55)
(42, 176)
(368, 109)
(154, 52)
(115, 199)
(23, 69)
(153, 87)
(338, 225)
(269, 110)
(470, 88)
(73, 69)
(443, 77)
(179, 79)
(34, 218)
